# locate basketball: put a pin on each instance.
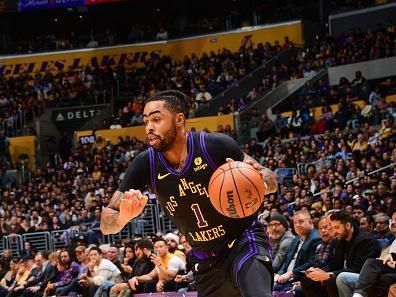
(236, 190)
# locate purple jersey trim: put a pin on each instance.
(253, 250)
(153, 181)
(205, 151)
(190, 151)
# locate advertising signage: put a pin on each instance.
(29, 5)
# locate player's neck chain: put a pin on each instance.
(183, 160)
(181, 166)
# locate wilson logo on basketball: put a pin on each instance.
(231, 205)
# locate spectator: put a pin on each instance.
(367, 224)
(166, 268)
(28, 251)
(172, 241)
(36, 286)
(128, 261)
(301, 253)
(203, 96)
(8, 282)
(352, 249)
(358, 213)
(266, 128)
(142, 266)
(103, 273)
(381, 231)
(323, 256)
(25, 272)
(74, 286)
(375, 272)
(67, 271)
(281, 238)
(92, 43)
(162, 34)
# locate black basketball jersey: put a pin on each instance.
(184, 195)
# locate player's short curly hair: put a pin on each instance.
(175, 100)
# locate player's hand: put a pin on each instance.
(250, 162)
(132, 205)
(133, 282)
(269, 177)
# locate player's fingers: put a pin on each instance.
(256, 166)
(143, 200)
(250, 162)
(229, 160)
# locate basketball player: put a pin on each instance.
(231, 256)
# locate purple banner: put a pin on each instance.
(28, 5)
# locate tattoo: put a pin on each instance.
(269, 176)
(109, 223)
(115, 200)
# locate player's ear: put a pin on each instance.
(180, 119)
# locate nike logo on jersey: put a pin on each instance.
(162, 176)
(230, 245)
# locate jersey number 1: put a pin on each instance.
(201, 222)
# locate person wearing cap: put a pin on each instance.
(173, 241)
(280, 238)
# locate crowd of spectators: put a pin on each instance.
(350, 104)
(207, 76)
(24, 97)
(70, 193)
(327, 223)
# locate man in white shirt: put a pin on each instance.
(203, 96)
(103, 273)
(167, 266)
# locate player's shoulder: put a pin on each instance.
(216, 138)
(143, 156)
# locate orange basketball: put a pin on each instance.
(236, 190)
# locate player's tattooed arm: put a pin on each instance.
(269, 176)
(109, 222)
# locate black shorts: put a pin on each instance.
(217, 274)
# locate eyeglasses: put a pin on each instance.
(381, 223)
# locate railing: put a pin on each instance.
(14, 242)
(40, 240)
(319, 164)
(152, 220)
(285, 175)
(358, 178)
(62, 238)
